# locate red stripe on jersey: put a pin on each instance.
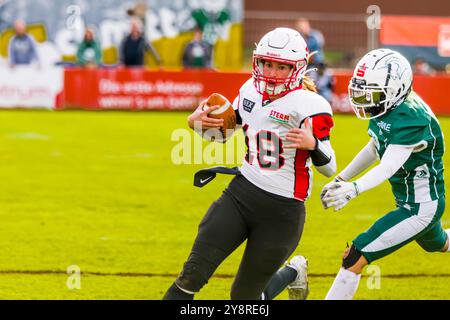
(301, 178)
(322, 124)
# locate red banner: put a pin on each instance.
(431, 88)
(412, 30)
(139, 89)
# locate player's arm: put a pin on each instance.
(323, 158)
(340, 193)
(361, 162)
(314, 136)
(364, 159)
(393, 159)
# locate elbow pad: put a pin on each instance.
(321, 155)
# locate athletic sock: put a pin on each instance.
(279, 282)
(344, 286)
(175, 293)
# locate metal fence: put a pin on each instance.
(346, 35)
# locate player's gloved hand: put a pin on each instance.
(327, 187)
(339, 194)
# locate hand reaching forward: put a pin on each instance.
(339, 194)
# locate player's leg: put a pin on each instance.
(294, 276)
(436, 239)
(347, 280)
(220, 232)
(271, 241)
(391, 232)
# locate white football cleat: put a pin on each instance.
(299, 289)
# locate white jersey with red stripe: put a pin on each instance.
(267, 164)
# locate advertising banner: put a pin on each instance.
(139, 89)
(30, 87)
(415, 37)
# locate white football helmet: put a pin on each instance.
(381, 81)
(282, 45)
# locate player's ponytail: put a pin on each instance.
(308, 84)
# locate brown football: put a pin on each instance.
(225, 112)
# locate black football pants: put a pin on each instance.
(271, 224)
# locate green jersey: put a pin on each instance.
(412, 123)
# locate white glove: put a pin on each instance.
(326, 188)
(339, 194)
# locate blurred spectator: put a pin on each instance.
(22, 47)
(89, 53)
(197, 53)
(420, 66)
(324, 79)
(314, 39)
(134, 46)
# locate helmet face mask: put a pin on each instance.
(285, 46)
(382, 80)
(368, 101)
(271, 85)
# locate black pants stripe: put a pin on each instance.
(271, 224)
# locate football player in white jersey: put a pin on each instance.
(287, 129)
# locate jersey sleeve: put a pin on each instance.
(322, 124)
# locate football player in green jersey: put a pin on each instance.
(407, 138)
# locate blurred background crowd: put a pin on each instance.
(217, 35)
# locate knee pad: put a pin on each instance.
(352, 257)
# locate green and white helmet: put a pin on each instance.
(381, 80)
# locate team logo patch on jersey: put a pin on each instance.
(248, 105)
(385, 126)
(422, 172)
(278, 116)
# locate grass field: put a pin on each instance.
(99, 190)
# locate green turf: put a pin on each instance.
(99, 190)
